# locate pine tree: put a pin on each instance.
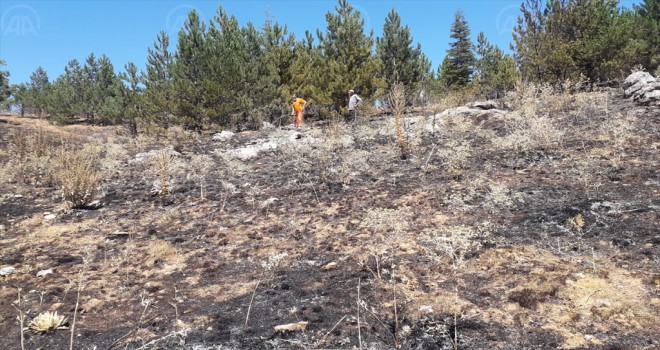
(108, 90)
(278, 57)
(348, 51)
(5, 90)
(495, 72)
(131, 110)
(225, 83)
(649, 23)
(401, 62)
(458, 65)
(158, 81)
(566, 39)
(188, 73)
(39, 87)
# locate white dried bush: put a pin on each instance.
(47, 321)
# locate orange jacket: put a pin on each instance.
(298, 104)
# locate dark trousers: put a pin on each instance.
(352, 115)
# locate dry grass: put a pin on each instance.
(78, 175)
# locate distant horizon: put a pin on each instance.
(51, 33)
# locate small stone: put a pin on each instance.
(49, 216)
(43, 273)
(426, 308)
(6, 271)
(2, 228)
(18, 196)
(647, 245)
(209, 329)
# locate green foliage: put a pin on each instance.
(401, 62)
(158, 91)
(458, 65)
(348, 61)
(648, 20)
(5, 90)
(495, 72)
(187, 71)
(569, 38)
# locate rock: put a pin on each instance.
(6, 271)
(298, 326)
(43, 273)
(490, 104)
(636, 77)
(18, 196)
(222, 136)
(459, 111)
(643, 88)
(144, 157)
(652, 97)
(426, 309)
(94, 205)
(48, 216)
(329, 266)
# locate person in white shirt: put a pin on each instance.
(354, 102)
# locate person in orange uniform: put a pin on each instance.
(298, 108)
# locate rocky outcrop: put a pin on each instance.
(484, 105)
(643, 88)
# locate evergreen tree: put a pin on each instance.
(568, 38)
(158, 81)
(39, 87)
(130, 111)
(649, 23)
(188, 73)
(458, 65)
(348, 53)
(20, 97)
(225, 87)
(5, 90)
(401, 62)
(278, 57)
(495, 72)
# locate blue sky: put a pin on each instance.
(49, 33)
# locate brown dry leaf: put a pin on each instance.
(298, 326)
(329, 266)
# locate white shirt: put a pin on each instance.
(353, 102)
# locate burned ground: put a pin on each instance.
(502, 232)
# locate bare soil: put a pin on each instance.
(177, 271)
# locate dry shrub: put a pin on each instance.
(78, 176)
(349, 166)
(161, 165)
(455, 155)
(397, 100)
(31, 158)
(389, 227)
(529, 133)
(199, 167)
(454, 242)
